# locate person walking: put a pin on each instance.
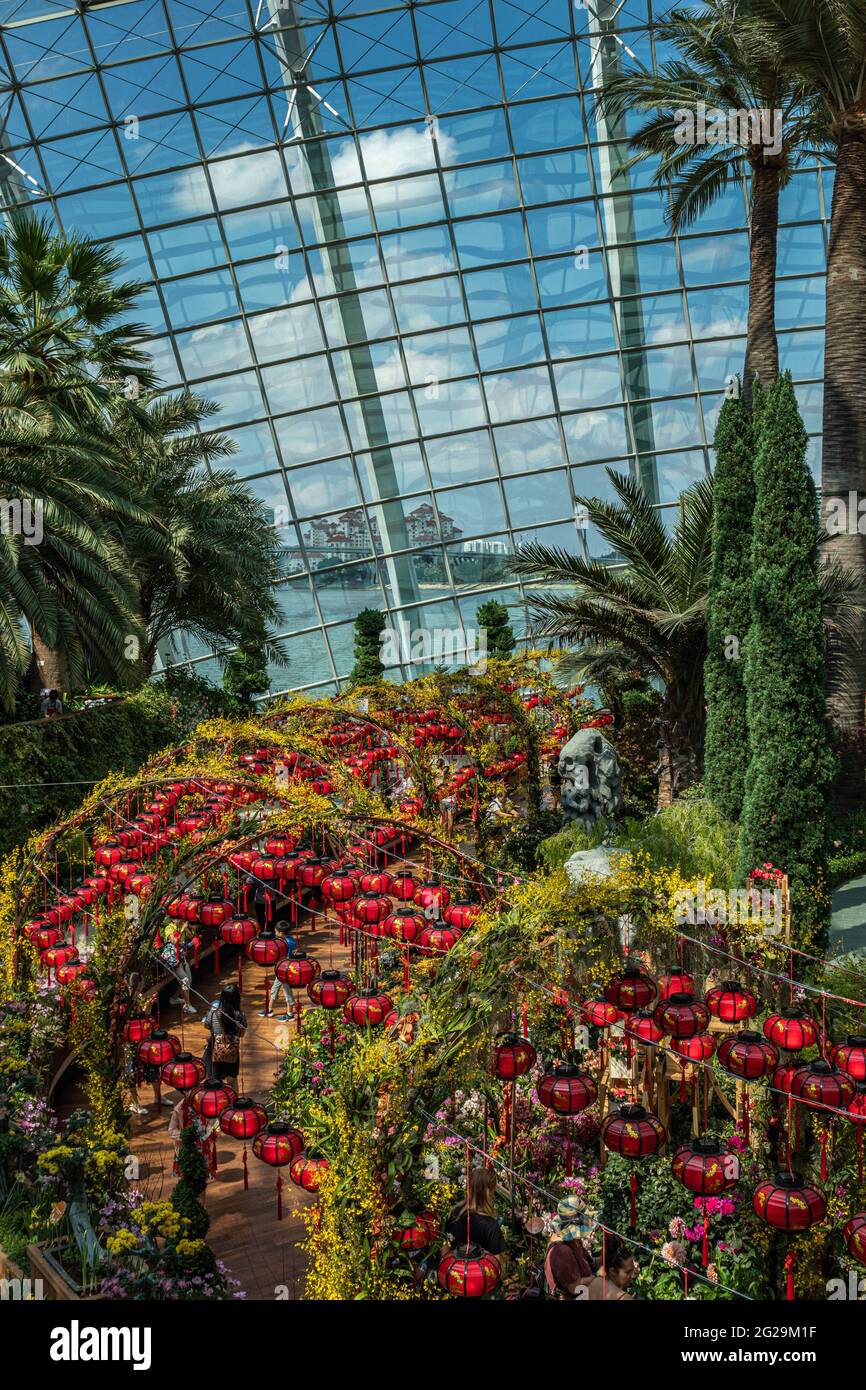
(279, 986)
(226, 1024)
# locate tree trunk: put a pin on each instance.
(762, 349)
(681, 742)
(844, 457)
(47, 668)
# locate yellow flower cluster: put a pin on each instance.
(123, 1242)
(161, 1219)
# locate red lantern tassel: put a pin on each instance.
(790, 1261)
(267, 996)
(246, 1171)
(705, 1243)
(158, 940)
(568, 1161)
(633, 1214)
(746, 1118)
(683, 1086)
(195, 946)
(279, 1197)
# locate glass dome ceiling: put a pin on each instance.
(397, 245)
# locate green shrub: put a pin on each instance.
(791, 764)
(190, 1185)
(691, 835)
(50, 765)
(729, 610)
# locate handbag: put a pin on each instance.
(226, 1048)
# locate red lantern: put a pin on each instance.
(267, 949)
(313, 873)
(461, 915)
(567, 1090)
(278, 1144)
(703, 1167)
(136, 1029)
(368, 1009)
(331, 989)
(238, 931)
(632, 1132)
(438, 940)
(599, 1013)
(405, 926)
(58, 955)
(791, 1030)
(192, 906)
(696, 1048)
(280, 845)
(730, 1002)
(850, 1056)
(215, 912)
(376, 883)
(403, 888)
(339, 888)
(469, 1272)
(643, 1028)
(819, 1084)
(432, 896)
(370, 911)
(787, 1203)
(748, 1055)
(681, 1015)
(298, 970)
(677, 982)
(212, 1098)
(306, 1172)
(108, 853)
(422, 1231)
(183, 1071)
(44, 938)
(784, 1075)
(159, 1048)
(243, 1119)
(513, 1056)
(630, 990)
(65, 974)
(854, 1236)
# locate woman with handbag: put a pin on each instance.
(226, 1023)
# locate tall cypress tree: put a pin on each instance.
(791, 763)
(368, 667)
(729, 611)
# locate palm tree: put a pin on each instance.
(215, 579)
(726, 66)
(651, 612)
(66, 352)
(823, 43)
(64, 574)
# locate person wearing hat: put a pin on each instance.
(567, 1268)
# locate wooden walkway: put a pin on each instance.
(260, 1251)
